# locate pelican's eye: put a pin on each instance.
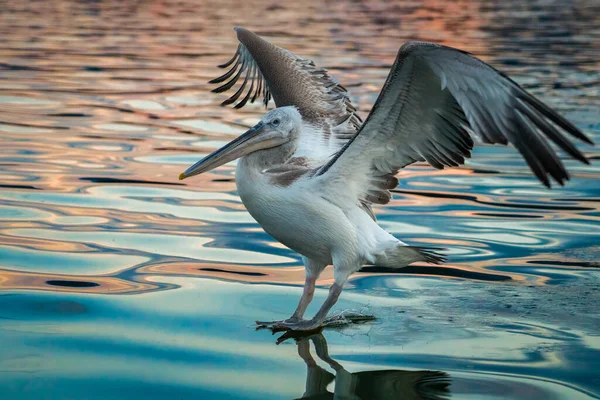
(275, 122)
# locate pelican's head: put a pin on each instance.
(276, 128)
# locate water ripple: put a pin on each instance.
(116, 279)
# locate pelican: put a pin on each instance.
(310, 171)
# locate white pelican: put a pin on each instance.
(310, 170)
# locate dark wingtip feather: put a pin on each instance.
(231, 82)
(237, 94)
(536, 151)
(551, 132)
(243, 102)
(235, 56)
(555, 117)
(216, 80)
(226, 75)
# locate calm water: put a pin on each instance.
(119, 282)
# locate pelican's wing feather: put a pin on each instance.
(434, 98)
(266, 71)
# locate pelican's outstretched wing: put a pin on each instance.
(433, 98)
(269, 70)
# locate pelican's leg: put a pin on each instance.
(313, 270)
(341, 275)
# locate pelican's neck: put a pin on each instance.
(268, 158)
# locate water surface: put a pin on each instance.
(119, 281)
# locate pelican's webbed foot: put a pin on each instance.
(277, 324)
(299, 325)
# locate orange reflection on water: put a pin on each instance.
(254, 274)
(40, 244)
(13, 280)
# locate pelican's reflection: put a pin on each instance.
(367, 385)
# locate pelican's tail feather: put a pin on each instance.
(431, 255)
(401, 255)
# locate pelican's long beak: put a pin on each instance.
(244, 144)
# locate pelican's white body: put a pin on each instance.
(322, 226)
